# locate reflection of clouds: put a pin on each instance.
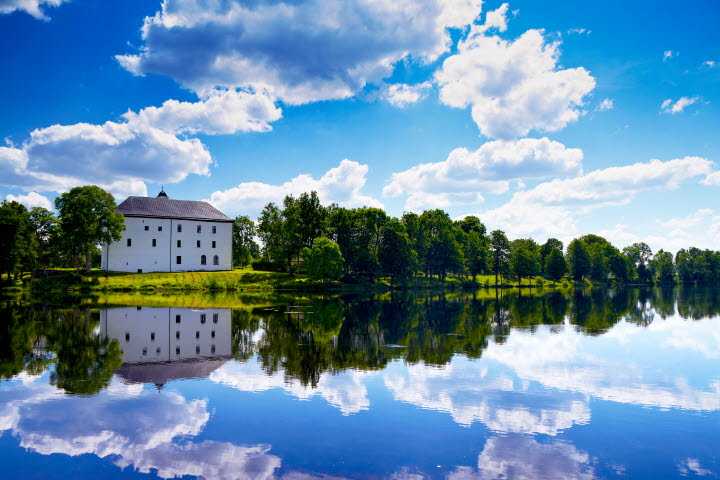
(692, 466)
(610, 368)
(345, 390)
(135, 426)
(469, 394)
(519, 457)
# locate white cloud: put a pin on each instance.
(668, 54)
(219, 112)
(497, 18)
(605, 105)
(692, 466)
(710, 64)
(579, 31)
(341, 185)
(464, 175)
(298, 51)
(513, 87)
(689, 221)
(550, 208)
(401, 95)
(31, 7)
(712, 179)
(32, 199)
(678, 106)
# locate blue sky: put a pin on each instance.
(544, 119)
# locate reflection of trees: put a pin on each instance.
(33, 339)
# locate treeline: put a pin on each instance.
(38, 238)
(365, 244)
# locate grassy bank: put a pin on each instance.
(243, 280)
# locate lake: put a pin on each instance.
(597, 383)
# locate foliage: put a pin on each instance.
(323, 261)
(397, 258)
(555, 266)
(578, 259)
(500, 253)
(524, 259)
(243, 232)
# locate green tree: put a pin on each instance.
(323, 261)
(45, 228)
(304, 219)
(662, 267)
(17, 245)
(640, 254)
(397, 258)
(547, 247)
(243, 231)
(578, 259)
(87, 217)
(270, 230)
(500, 253)
(443, 253)
(555, 266)
(524, 258)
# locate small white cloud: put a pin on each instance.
(678, 106)
(497, 18)
(710, 64)
(32, 199)
(31, 7)
(669, 54)
(579, 31)
(341, 185)
(401, 95)
(605, 105)
(465, 175)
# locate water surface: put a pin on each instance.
(579, 385)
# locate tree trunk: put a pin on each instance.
(87, 261)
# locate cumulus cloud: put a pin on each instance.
(465, 175)
(146, 147)
(605, 105)
(300, 52)
(219, 112)
(341, 185)
(32, 199)
(31, 7)
(401, 95)
(550, 208)
(677, 106)
(512, 87)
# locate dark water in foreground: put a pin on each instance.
(594, 384)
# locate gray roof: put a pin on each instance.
(162, 207)
(160, 373)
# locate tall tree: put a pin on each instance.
(443, 253)
(640, 254)
(270, 230)
(304, 219)
(243, 231)
(87, 217)
(45, 228)
(323, 261)
(524, 258)
(578, 259)
(555, 266)
(17, 246)
(662, 267)
(500, 251)
(547, 247)
(397, 258)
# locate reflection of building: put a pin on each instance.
(166, 343)
(164, 235)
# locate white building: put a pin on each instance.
(164, 235)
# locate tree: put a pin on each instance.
(443, 253)
(304, 219)
(524, 259)
(243, 231)
(555, 266)
(45, 228)
(500, 251)
(17, 246)
(87, 217)
(547, 247)
(662, 267)
(640, 254)
(323, 261)
(397, 258)
(578, 259)
(270, 230)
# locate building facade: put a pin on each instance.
(165, 235)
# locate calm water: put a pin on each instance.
(595, 384)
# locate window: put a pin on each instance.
(177, 335)
(214, 229)
(197, 349)
(154, 242)
(159, 229)
(177, 350)
(139, 270)
(197, 334)
(179, 243)
(199, 228)
(203, 260)
(158, 350)
(178, 259)
(129, 242)
(216, 260)
(127, 336)
(147, 227)
(212, 349)
(213, 244)
(215, 317)
(177, 318)
(198, 244)
(144, 350)
(152, 336)
(212, 334)
(203, 318)
(179, 227)
(138, 308)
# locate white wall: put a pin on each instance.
(134, 327)
(141, 255)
